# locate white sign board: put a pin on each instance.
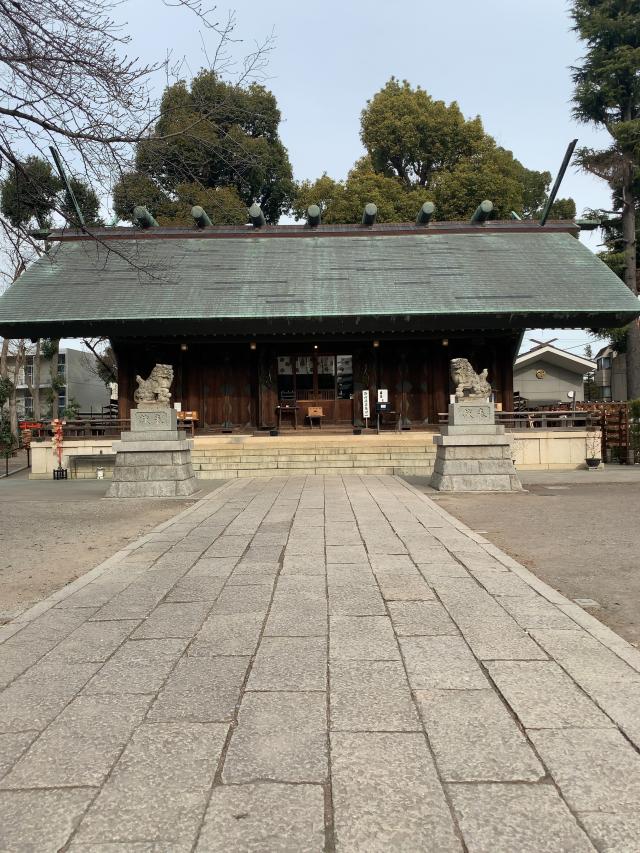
(383, 395)
(366, 409)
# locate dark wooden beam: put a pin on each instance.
(256, 216)
(425, 213)
(143, 217)
(313, 216)
(369, 214)
(200, 216)
(482, 212)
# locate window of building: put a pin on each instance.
(28, 407)
(62, 360)
(606, 392)
(315, 377)
(604, 362)
(28, 372)
(62, 400)
(304, 370)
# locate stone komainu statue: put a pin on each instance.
(468, 383)
(155, 389)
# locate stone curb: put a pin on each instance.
(11, 473)
(32, 613)
(608, 638)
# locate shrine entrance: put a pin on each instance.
(318, 380)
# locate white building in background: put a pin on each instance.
(80, 383)
(546, 376)
(611, 374)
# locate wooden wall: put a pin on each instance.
(231, 384)
(220, 382)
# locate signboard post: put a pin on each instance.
(366, 409)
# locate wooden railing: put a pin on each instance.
(620, 432)
(92, 427)
(78, 427)
(552, 419)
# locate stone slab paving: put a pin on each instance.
(316, 664)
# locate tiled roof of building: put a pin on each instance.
(288, 278)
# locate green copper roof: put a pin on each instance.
(260, 281)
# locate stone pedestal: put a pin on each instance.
(473, 453)
(152, 460)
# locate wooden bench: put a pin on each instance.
(315, 413)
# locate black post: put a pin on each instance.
(65, 180)
(558, 181)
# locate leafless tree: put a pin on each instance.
(16, 251)
(12, 359)
(66, 80)
(100, 360)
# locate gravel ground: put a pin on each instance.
(581, 537)
(53, 532)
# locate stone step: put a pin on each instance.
(264, 456)
(364, 458)
(315, 450)
(235, 472)
(343, 461)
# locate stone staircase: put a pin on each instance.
(224, 458)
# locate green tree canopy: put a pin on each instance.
(607, 94)
(215, 144)
(412, 137)
(344, 201)
(420, 149)
(33, 192)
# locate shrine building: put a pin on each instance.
(313, 314)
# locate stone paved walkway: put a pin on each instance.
(311, 664)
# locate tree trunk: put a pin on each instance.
(13, 413)
(4, 352)
(630, 278)
(34, 385)
(19, 359)
(53, 367)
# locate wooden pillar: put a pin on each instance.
(437, 380)
(496, 377)
(511, 350)
(267, 379)
(126, 384)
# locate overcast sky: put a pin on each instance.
(506, 60)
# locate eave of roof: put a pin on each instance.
(404, 280)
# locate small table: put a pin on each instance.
(287, 410)
(188, 419)
(397, 423)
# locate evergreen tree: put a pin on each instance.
(419, 149)
(32, 193)
(607, 94)
(215, 144)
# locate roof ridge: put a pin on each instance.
(303, 230)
